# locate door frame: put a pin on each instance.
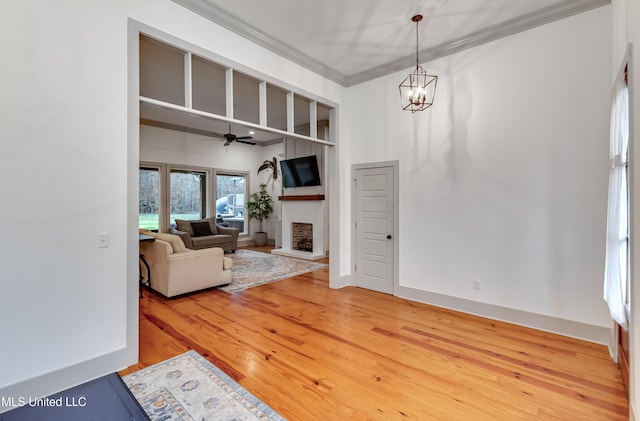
(395, 166)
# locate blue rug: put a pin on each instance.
(188, 387)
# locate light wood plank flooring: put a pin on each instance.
(313, 353)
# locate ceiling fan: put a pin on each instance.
(230, 138)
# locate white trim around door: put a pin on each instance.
(387, 242)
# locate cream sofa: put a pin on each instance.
(176, 270)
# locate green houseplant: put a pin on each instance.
(260, 207)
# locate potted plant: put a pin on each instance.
(260, 206)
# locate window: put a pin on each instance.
(627, 211)
(149, 198)
(167, 193)
(230, 199)
(187, 197)
(616, 279)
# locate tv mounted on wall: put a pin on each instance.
(299, 172)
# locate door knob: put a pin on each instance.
(388, 236)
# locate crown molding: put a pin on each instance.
(242, 28)
(505, 29)
(493, 33)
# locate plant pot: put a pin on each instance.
(261, 238)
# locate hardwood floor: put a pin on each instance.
(313, 353)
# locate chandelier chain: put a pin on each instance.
(417, 43)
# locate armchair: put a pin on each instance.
(176, 270)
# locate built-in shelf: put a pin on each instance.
(302, 197)
(177, 84)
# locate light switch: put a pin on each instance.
(103, 240)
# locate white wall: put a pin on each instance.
(504, 179)
(68, 310)
(626, 15)
(63, 180)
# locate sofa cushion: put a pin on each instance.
(211, 241)
(201, 228)
(175, 241)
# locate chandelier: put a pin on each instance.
(418, 89)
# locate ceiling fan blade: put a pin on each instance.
(244, 137)
(244, 141)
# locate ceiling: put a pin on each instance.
(352, 41)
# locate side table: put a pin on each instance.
(145, 239)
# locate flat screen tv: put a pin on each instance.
(299, 172)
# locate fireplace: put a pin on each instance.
(303, 229)
(302, 236)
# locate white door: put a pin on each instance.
(374, 222)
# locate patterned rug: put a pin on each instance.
(188, 387)
(252, 268)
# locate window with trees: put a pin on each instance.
(149, 198)
(167, 193)
(187, 194)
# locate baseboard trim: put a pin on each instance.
(65, 378)
(343, 281)
(573, 329)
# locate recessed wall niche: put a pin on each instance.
(245, 91)
(276, 107)
(161, 71)
(208, 86)
(324, 117)
(301, 114)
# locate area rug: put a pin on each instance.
(252, 268)
(188, 387)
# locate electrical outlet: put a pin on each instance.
(476, 285)
(103, 240)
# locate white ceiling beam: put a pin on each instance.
(188, 81)
(262, 103)
(291, 122)
(229, 92)
(192, 111)
(313, 119)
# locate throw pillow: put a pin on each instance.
(212, 225)
(201, 229)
